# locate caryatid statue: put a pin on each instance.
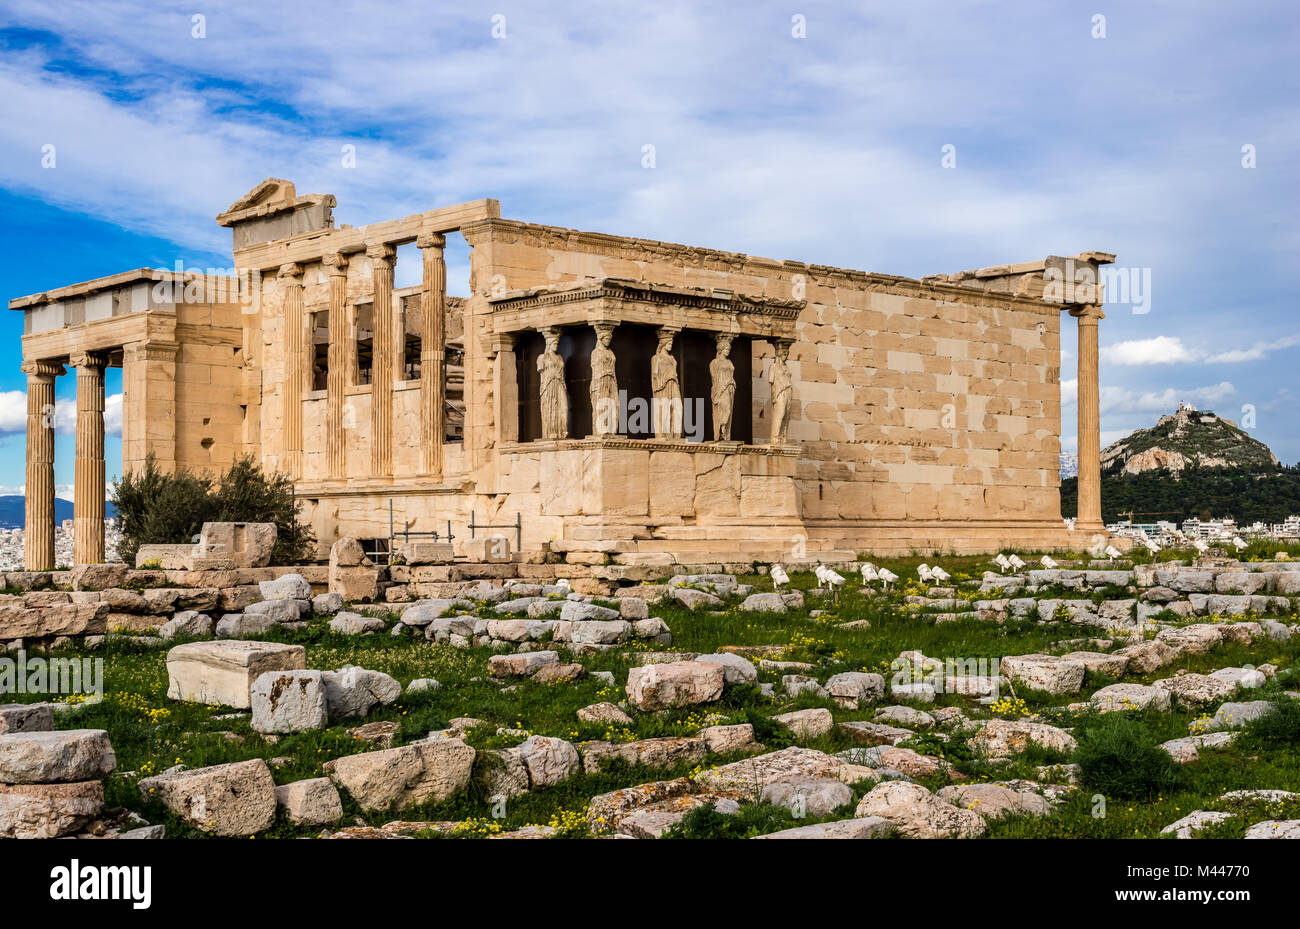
(553, 393)
(666, 402)
(723, 375)
(778, 376)
(604, 383)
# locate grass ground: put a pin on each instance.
(150, 733)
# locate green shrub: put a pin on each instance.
(1118, 757)
(1275, 729)
(158, 507)
(154, 506)
(705, 822)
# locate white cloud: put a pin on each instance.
(1164, 349)
(13, 413)
(1256, 352)
(65, 415)
(1126, 400)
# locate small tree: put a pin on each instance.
(157, 507)
(247, 494)
(154, 506)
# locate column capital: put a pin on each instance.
(87, 360)
(336, 263)
(43, 368)
(150, 350)
(431, 240)
(1082, 311)
(290, 271)
(380, 251)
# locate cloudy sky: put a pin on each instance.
(1166, 133)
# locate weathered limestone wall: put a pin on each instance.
(925, 414)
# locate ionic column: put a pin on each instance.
(432, 351)
(382, 362)
(336, 265)
(295, 365)
(88, 505)
(38, 537)
(1089, 403)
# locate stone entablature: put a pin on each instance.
(651, 444)
(619, 300)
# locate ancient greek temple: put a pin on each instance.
(622, 401)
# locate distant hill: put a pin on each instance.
(1191, 463)
(1188, 439)
(13, 511)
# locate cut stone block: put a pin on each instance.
(26, 717)
(866, 827)
(57, 757)
(226, 800)
(490, 549)
(679, 683)
(407, 776)
(223, 672)
(313, 802)
(47, 811)
(288, 701)
(425, 552)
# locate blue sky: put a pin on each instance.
(825, 148)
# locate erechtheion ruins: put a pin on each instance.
(622, 400)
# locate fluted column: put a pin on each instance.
(38, 537)
(382, 363)
(336, 451)
(432, 351)
(295, 365)
(1089, 404)
(88, 505)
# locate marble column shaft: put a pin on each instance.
(336, 451)
(382, 361)
(433, 352)
(38, 537)
(1089, 407)
(88, 503)
(295, 365)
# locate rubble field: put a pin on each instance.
(1090, 699)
